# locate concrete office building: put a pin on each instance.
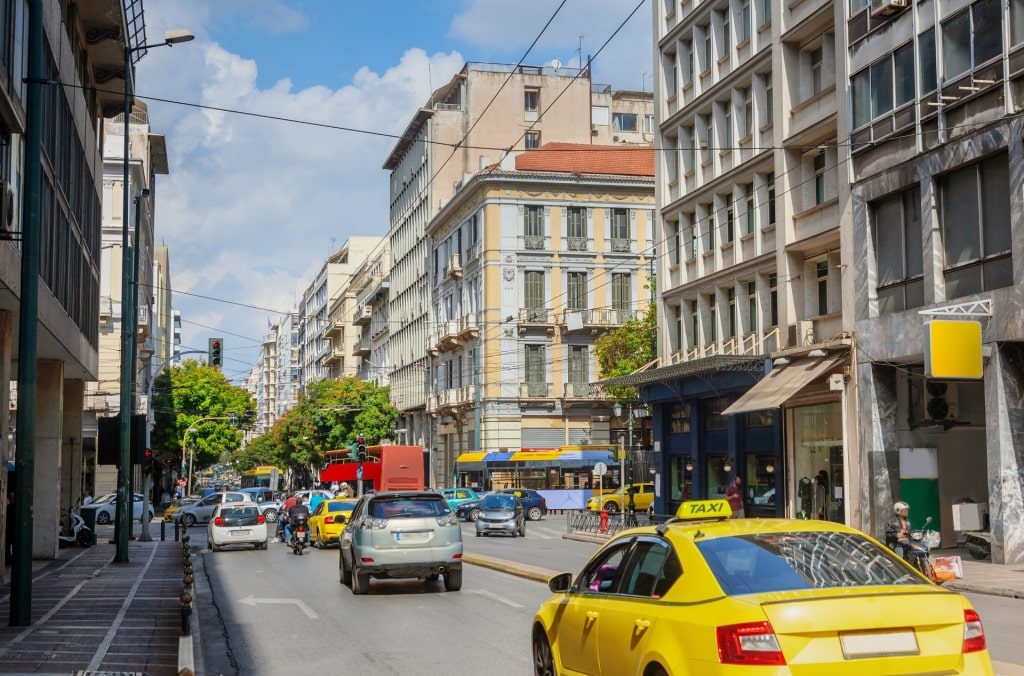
(937, 233)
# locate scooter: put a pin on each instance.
(74, 531)
(917, 552)
(978, 543)
(300, 534)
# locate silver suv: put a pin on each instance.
(401, 535)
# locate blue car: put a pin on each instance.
(534, 504)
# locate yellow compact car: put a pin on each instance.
(643, 498)
(328, 520)
(706, 595)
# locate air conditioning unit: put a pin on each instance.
(7, 209)
(883, 9)
(941, 401)
(801, 333)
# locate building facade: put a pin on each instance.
(528, 267)
(69, 229)
(525, 106)
(937, 233)
(755, 344)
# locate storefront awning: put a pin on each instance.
(782, 383)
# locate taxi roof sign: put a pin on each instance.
(704, 509)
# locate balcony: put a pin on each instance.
(577, 243)
(337, 327)
(620, 245)
(581, 390)
(447, 336)
(454, 268)
(752, 344)
(362, 315)
(468, 327)
(595, 320)
(106, 308)
(534, 242)
(451, 399)
(474, 252)
(535, 390)
(362, 348)
(536, 317)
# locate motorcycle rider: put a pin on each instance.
(297, 510)
(897, 529)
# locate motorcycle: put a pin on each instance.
(300, 534)
(917, 552)
(74, 531)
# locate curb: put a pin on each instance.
(534, 573)
(982, 589)
(1007, 669)
(186, 661)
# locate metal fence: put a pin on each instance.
(590, 522)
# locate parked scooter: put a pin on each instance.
(74, 531)
(300, 533)
(978, 543)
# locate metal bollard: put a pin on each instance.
(163, 530)
(177, 526)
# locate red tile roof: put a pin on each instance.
(589, 159)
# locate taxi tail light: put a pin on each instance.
(328, 519)
(974, 633)
(261, 519)
(218, 521)
(749, 643)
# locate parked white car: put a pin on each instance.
(104, 508)
(202, 511)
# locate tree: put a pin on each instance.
(330, 416)
(198, 397)
(626, 349)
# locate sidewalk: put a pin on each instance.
(92, 615)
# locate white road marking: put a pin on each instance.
(496, 597)
(253, 601)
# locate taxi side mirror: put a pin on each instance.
(560, 583)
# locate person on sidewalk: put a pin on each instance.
(734, 494)
(86, 497)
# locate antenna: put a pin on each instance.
(556, 64)
(581, 51)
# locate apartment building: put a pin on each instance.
(147, 160)
(937, 236)
(483, 106)
(76, 93)
(370, 286)
(754, 345)
(529, 265)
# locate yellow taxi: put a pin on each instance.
(328, 520)
(618, 500)
(704, 595)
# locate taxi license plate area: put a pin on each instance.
(879, 644)
(421, 536)
(240, 533)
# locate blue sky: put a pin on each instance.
(252, 207)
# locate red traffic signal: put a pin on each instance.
(216, 352)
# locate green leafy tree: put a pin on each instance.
(626, 349)
(196, 398)
(330, 416)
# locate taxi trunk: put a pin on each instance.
(914, 632)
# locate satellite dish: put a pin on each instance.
(556, 64)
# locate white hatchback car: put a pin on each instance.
(236, 523)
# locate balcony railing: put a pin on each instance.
(535, 390)
(619, 245)
(574, 320)
(468, 327)
(535, 315)
(577, 243)
(474, 252)
(362, 348)
(753, 344)
(533, 242)
(362, 315)
(454, 268)
(581, 390)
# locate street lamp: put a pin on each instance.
(628, 468)
(129, 327)
(191, 457)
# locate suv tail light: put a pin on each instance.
(370, 523)
(218, 521)
(974, 633)
(749, 643)
(448, 519)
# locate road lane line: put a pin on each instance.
(496, 597)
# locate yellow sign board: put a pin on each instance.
(953, 350)
(704, 509)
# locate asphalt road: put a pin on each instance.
(268, 612)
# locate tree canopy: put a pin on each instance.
(198, 400)
(331, 415)
(626, 349)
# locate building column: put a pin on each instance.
(880, 462)
(71, 479)
(1004, 420)
(6, 341)
(48, 442)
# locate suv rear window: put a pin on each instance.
(771, 562)
(398, 507)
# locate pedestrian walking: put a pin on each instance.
(734, 494)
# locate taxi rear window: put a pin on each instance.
(770, 562)
(340, 506)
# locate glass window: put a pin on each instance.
(577, 228)
(649, 124)
(535, 364)
(730, 222)
(726, 32)
(713, 418)
(577, 291)
(694, 322)
(761, 480)
(822, 276)
(881, 87)
(770, 184)
(710, 210)
(709, 137)
(732, 312)
(769, 99)
(707, 46)
(896, 226)
(819, 178)
(1016, 21)
(533, 293)
(817, 446)
(976, 241)
(713, 318)
(752, 306)
(748, 193)
(534, 222)
(773, 299)
(748, 112)
(860, 91)
(531, 100)
(532, 140)
(679, 418)
(579, 370)
(727, 115)
(816, 70)
(651, 570)
(926, 61)
(622, 295)
(956, 45)
(986, 15)
(602, 574)
(624, 122)
(620, 230)
(681, 478)
(766, 12)
(687, 61)
(903, 67)
(744, 20)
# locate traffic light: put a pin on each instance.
(216, 353)
(147, 462)
(361, 448)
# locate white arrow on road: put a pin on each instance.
(253, 601)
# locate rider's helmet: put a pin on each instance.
(344, 484)
(900, 506)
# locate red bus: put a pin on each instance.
(387, 468)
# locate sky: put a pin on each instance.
(280, 114)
